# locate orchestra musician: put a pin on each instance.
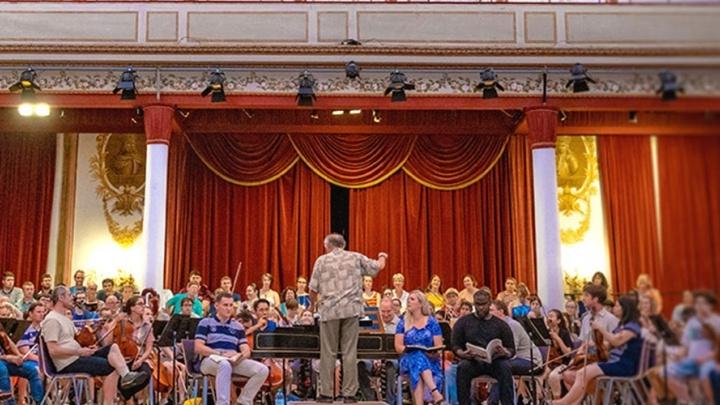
(223, 346)
(69, 357)
(27, 343)
(593, 298)
(133, 335)
(12, 363)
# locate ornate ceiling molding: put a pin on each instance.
(696, 82)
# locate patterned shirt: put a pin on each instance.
(337, 277)
(222, 336)
(29, 338)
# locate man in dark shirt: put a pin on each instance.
(479, 329)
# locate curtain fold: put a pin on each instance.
(522, 211)
(27, 174)
(474, 230)
(354, 161)
(689, 171)
(447, 162)
(245, 159)
(275, 227)
(626, 178)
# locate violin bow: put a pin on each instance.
(237, 274)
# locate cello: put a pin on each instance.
(601, 354)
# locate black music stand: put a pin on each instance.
(179, 326)
(14, 328)
(539, 336)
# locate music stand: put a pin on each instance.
(179, 326)
(14, 328)
(539, 336)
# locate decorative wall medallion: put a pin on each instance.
(577, 172)
(119, 169)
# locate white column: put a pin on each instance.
(542, 125)
(158, 128)
(547, 229)
(154, 214)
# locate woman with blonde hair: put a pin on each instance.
(266, 291)
(434, 292)
(644, 286)
(417, 331)
(399, 292)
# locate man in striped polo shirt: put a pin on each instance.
(221, 342)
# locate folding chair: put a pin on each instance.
(54, 394)
(632, 389)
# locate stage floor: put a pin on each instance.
(336, 402)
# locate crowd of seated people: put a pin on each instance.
(593, 335)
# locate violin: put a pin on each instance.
(86, 336)
(123, 337)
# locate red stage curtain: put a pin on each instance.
(449, 233)
(689, 171)
(522, 210)
(277, 227)
(626, 176)
(245, 159)
(354, 161)
(453, 162)
(27, 175)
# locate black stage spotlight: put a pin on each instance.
(26, 85)
(398, 85)
(126, 85)
(669, 86)
(489, 84)
(352, 70)
(216, 87)
(306, 93)
(579, 79)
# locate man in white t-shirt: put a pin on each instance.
(68, 356)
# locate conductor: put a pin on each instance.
(337, 282)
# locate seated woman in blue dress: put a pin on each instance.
(624, 358)
(419, 328)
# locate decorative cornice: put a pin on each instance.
(609, 83)
(175, 49)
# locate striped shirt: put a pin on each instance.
(29, 338)
(222, 336)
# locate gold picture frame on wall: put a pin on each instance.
(577, 172)
(119, 168)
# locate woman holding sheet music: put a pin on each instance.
(418, 337)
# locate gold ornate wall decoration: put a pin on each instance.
(119, 169)
(577, 172)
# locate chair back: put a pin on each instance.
(646, 357)
(46, 365)
(191, 361)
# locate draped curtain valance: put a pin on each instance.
(443, 162)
